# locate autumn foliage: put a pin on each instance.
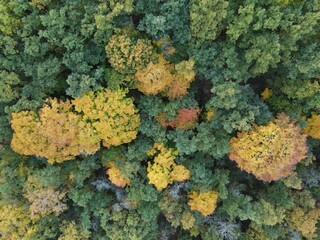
(269, 152)
(166, 78)
(59, 133)
(111, 114)
(164, 171)
(203, 202)
(115, 175)
(305, 221)
(186, 119)
(313, 127)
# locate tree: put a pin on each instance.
(269, 152)
(8, 86)
(52, 134)
(15, 222)
(171, 80)
(164, 171)
(155, 78)
(72, 231)
(203, 202)
(185, 119)
(115, 176)
(313, 127)
(127, 55)
(111, 114)
(206, 18)
(305, 221)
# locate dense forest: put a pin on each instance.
(159, 119)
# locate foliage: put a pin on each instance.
(206, 17)
(71, 231)
(313, 125)
(269, 152)
(305, 222)
(116, 177)
(111, 114)
(8, 88)
(164, 170)
(163, 77)
(60, 134)
(204, 202)
(151, 100)
(126, 55)
(15, 222)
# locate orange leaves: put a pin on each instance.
(59, 133)
(163, 77)
(204, 202)
(269, 152)
(183, 76)
(185, 119)
(116, 177)
(153, 74)
(164, 170)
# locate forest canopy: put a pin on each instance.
(159, 119)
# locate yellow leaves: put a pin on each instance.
(180, 173)
(204, 202)
(305, 221)
(266, 94)
(116, 177)
(210, 114)
(112, 115)
(159, 176)
(269, 152)
(187, 220)
(153, 74)
(164, 170)
(313, 127)
(73, 231)
(14, 222)
(51, 134)
(155, 77)
(59, 133)
(163, 77)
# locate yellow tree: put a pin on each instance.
(54, 133)
(164, 171)
(313, 127)
(270, 152)
(163, 77)
(15, 222)
(305, 221)
(203, 202)
(155, 77)
(59, 133)
(111, 114)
